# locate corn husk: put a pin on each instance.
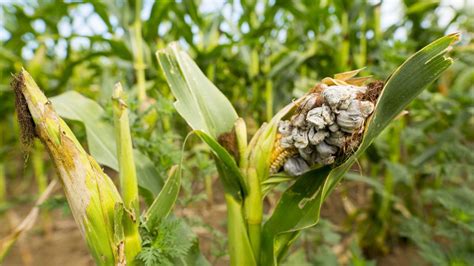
(90, 193)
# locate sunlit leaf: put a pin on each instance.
(198, 101)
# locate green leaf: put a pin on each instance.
(169, 243)
(198, 101)
(101, 138)
(101, 9)
(233, 182)
(229, 172)
(159, 11)
(149, 180)
(165, 201)
(415, 74)
(422, 6)
(194, 257)
(231, 175)
(299, 204)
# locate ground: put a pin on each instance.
(65, 246)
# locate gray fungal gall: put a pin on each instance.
(325, 127)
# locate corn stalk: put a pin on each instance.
(139, 63)
(127, 174)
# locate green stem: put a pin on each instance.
(362, 58)
(139, 64)
(208, 184)
(254, 211)
(345, 46)
(127, 174)
(377, 27)
(269, 98)
(268, 90)
(239, 251)
(253, 201)
(3, 183)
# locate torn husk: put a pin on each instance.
(89, 191)
(327, 125)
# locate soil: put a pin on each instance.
(64, 246)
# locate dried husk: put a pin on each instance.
(90, 193)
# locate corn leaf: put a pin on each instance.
(204, 108)
(210, 114)
(198, 101)
(101, 139)
(304, 203)
(232, 180)
(73, 106)
(164, 202)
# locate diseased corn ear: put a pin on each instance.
(89, 191)
(327, 125)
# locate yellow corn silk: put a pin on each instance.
(325, 126)
(90, 193)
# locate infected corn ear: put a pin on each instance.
(327, 126)
(90, 193)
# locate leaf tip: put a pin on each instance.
(455, 36)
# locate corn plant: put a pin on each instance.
(109, 221)
(309, 145)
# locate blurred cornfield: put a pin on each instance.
(412, 196)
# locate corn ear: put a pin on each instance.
(90, 193)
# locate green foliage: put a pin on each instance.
(198, 101)
(456, 246)
(260, 56)
(57, 202)
(101, 138)
(306, 197)
(321, 239)
(165, 244)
